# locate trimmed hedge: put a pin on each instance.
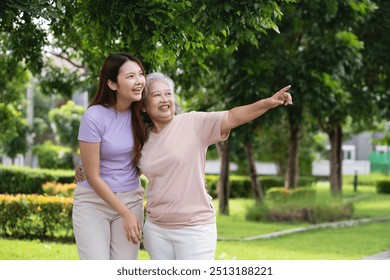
(14, 180)
(67, 190)
(35, 216)
(383, 186)
(240, 186)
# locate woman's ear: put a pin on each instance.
(111, 85)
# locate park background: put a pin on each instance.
(272, 200)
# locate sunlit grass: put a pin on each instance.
(36, 250)
(326, 244)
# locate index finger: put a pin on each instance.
(286, 88)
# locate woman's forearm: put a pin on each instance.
(243, 114)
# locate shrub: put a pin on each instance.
(35, 215)
(241, 187)
(300, 209)
(383, 186)
(53, 157)
(58, 189)
(278, 194)
(305, 193)
(14, 180)
(284, 195)
(268, 182)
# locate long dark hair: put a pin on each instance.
(107, 97)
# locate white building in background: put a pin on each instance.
(262, 168)
(267, 168)
(356, 155)
(214, 166)
(350, 166)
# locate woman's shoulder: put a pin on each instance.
(194, 115)
(191, 114)
(97, 113)
(190, 118)
(98, 110)
(200, 117)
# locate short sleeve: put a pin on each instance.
(208, 126)
(90, 128)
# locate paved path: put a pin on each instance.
(380, 256)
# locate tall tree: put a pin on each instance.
(376, 70)
(334, 70)
(320, 54)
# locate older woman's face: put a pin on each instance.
(160, 102)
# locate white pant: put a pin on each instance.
(98, 228)
(187, 243)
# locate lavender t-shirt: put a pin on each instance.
(113, 130)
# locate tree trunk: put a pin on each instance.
(256, 187)
(335, 159)
(223, 182)
(292, 171)
(30, 120)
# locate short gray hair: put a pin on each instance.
(157, 76)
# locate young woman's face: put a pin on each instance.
(160, 102)
(130, 82)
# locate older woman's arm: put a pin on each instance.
(243, 114)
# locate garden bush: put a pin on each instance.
(36, 216)
(14, 180)
(383, 186)
(58, 189)
(241, 187)
(300, 207)
(284, 195)
(53, 156)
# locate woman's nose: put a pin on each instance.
(139, 79)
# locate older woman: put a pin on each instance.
(180, 222)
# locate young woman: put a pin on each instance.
(108, 205)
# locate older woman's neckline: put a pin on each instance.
(162, 127)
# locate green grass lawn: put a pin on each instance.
(326, 244)
(350, 243)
